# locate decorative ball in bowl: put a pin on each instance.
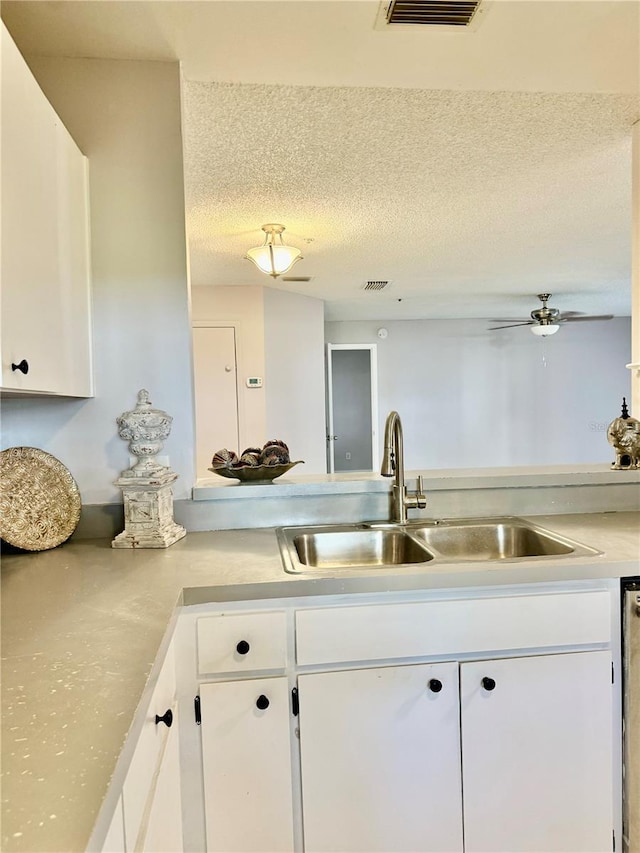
(254, 465)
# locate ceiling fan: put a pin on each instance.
(546, 321)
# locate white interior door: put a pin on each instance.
(216, 393)
(352, 408)
(536, 754)
(380, 760)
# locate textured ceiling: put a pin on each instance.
(473, 169)
(459, 198)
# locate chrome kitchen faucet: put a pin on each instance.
(393, 465)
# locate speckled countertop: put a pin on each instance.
(81, 627)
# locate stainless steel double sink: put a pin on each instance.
(330, 548)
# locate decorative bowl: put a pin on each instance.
(256, 474)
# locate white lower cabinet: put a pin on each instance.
(151, 790)
(537, 754)
(384, 767)
(147, 817)
(246, 750)
(114, 840)
(162, 827)
(380, 759)
(506, 743)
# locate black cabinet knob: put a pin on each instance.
(23, 367)
(262, 702)
(166, 718)
(243, 647)
(435, 685)
(488, 683)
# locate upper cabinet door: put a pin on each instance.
(45, 284)
(380, 759)
(536, 754)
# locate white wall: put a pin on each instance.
(125, 116)
(473, 398)
(635, 271)
(294, 358)
(281, 339)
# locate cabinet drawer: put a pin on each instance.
(240, 642)
(377, 632)
(139, 782)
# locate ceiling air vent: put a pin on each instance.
(376, 286)
(456, 13)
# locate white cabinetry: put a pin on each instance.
(246, 732)
(472, 721)
(382, 757)
(162, 832)
(146, 786)
(114, 841)
(536, 754)
(45, 296)
(151, 791)
(247, 765)
(380, 753)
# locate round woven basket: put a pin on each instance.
(39, 499)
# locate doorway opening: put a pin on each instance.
(352, 407)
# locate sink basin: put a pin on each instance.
(343, 547)
(353, 548)
(492, 541)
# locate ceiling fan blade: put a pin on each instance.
(510, 326)
(566, 319)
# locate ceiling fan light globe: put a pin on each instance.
(545, 329)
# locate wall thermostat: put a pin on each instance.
(254, 382)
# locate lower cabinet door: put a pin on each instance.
(114, 842)
(380, 759)
(537, 754)
(246, 747)
(162, 832)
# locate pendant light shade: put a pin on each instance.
(274, 258)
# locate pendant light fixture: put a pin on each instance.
(274, 258)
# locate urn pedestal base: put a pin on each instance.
(148, 512)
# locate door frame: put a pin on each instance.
(373, 364)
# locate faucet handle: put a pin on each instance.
(421, 498)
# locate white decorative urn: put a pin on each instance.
(146, 429)
(146, 486)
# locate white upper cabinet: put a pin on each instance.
(45, 283)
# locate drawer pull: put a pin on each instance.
(488, 683)
(243, 647)
(435, 685)
(262, 703)
(23, 367)
(166, 718)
